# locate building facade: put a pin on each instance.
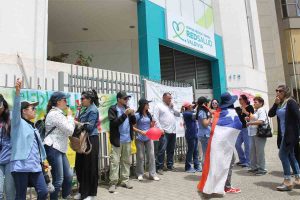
(214, 45)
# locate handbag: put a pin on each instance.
(45, 174)
(80, 140)
(264, 132)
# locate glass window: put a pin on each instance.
(290, 8)
(293, 45)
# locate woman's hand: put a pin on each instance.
(277, 101)
(18, 86)
(143, 132)
(247, 119)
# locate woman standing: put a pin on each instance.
(257, 144)
(58, 129)
(245, 110)
(189, 117)
(86, 166)
(5, 152)
(214, 105)
(288, 118)
(144, 123)
(27, 149)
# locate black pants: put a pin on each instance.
(86, 167)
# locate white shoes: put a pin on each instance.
(140, 178)
(77, 196)
(89, 198)
(155, 178)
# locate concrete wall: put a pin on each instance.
(271, 46)
(23, 31)
(117, 55)
(241, 72)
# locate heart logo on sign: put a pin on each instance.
(179, 29)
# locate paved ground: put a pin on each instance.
(182, 186)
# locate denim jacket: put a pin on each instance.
(91, 115)
(22, 135)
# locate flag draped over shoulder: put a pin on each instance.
(225, 129)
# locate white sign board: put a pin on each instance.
(155, 91)
(190, 34)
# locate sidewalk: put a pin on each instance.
(182, 186)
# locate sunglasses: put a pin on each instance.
(214, 103)
(126, 98)
(82, 98)
(279, 90)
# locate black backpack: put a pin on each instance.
(40, 125)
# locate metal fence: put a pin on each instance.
(104, 82)
(107, 82)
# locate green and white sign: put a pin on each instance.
(190, 34)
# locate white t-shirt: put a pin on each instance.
(260, 115)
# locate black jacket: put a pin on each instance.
(292, 124)
(115, 122)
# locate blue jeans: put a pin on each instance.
(35, 178)
(7, 180)
(204, 142)
(244, 155)
(167, 142)
(192, 154)
(61, 172)
(288, 159)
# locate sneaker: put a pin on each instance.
(160, 172)
(155, 178)
(191, 170)
(244, 165)
(173, 169)
(140, 178)
(112, 189)
(198, 170)
(232, 190)
(126, 185)
(68, 197)
(260, 173)
(77, 196)
(283, 187)
(253, 170)
(89, 198)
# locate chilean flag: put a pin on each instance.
(225, 130)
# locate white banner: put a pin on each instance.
(190, 34)
(155, 91)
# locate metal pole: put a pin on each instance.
(294, 68)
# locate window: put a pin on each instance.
(182, 67)
(292, 37)
(290, 8)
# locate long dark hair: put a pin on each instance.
(211, 105)
(200, 103)
(245, 99)
(50, 105)
(140, 110)
(92, 95)
(5, 118)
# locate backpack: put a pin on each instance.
(80, 141)
(41, 127)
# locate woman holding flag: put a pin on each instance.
(226, 127)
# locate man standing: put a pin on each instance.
(121, 120)
(164, 116)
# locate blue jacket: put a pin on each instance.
(191, 129)
(22, 135)
(91, 115)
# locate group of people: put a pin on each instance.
(23, 150)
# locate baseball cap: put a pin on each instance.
(26, 104)
(187, 104)
(122, 94)
(56, 96)
(143, 101)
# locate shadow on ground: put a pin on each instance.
(276, 173)
(192, 177)
(243, 172)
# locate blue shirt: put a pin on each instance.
(191, 129)
(6, 147)
(31, 164)
(281, 115)
(124, 128)
(203, 131)
(143, 123)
